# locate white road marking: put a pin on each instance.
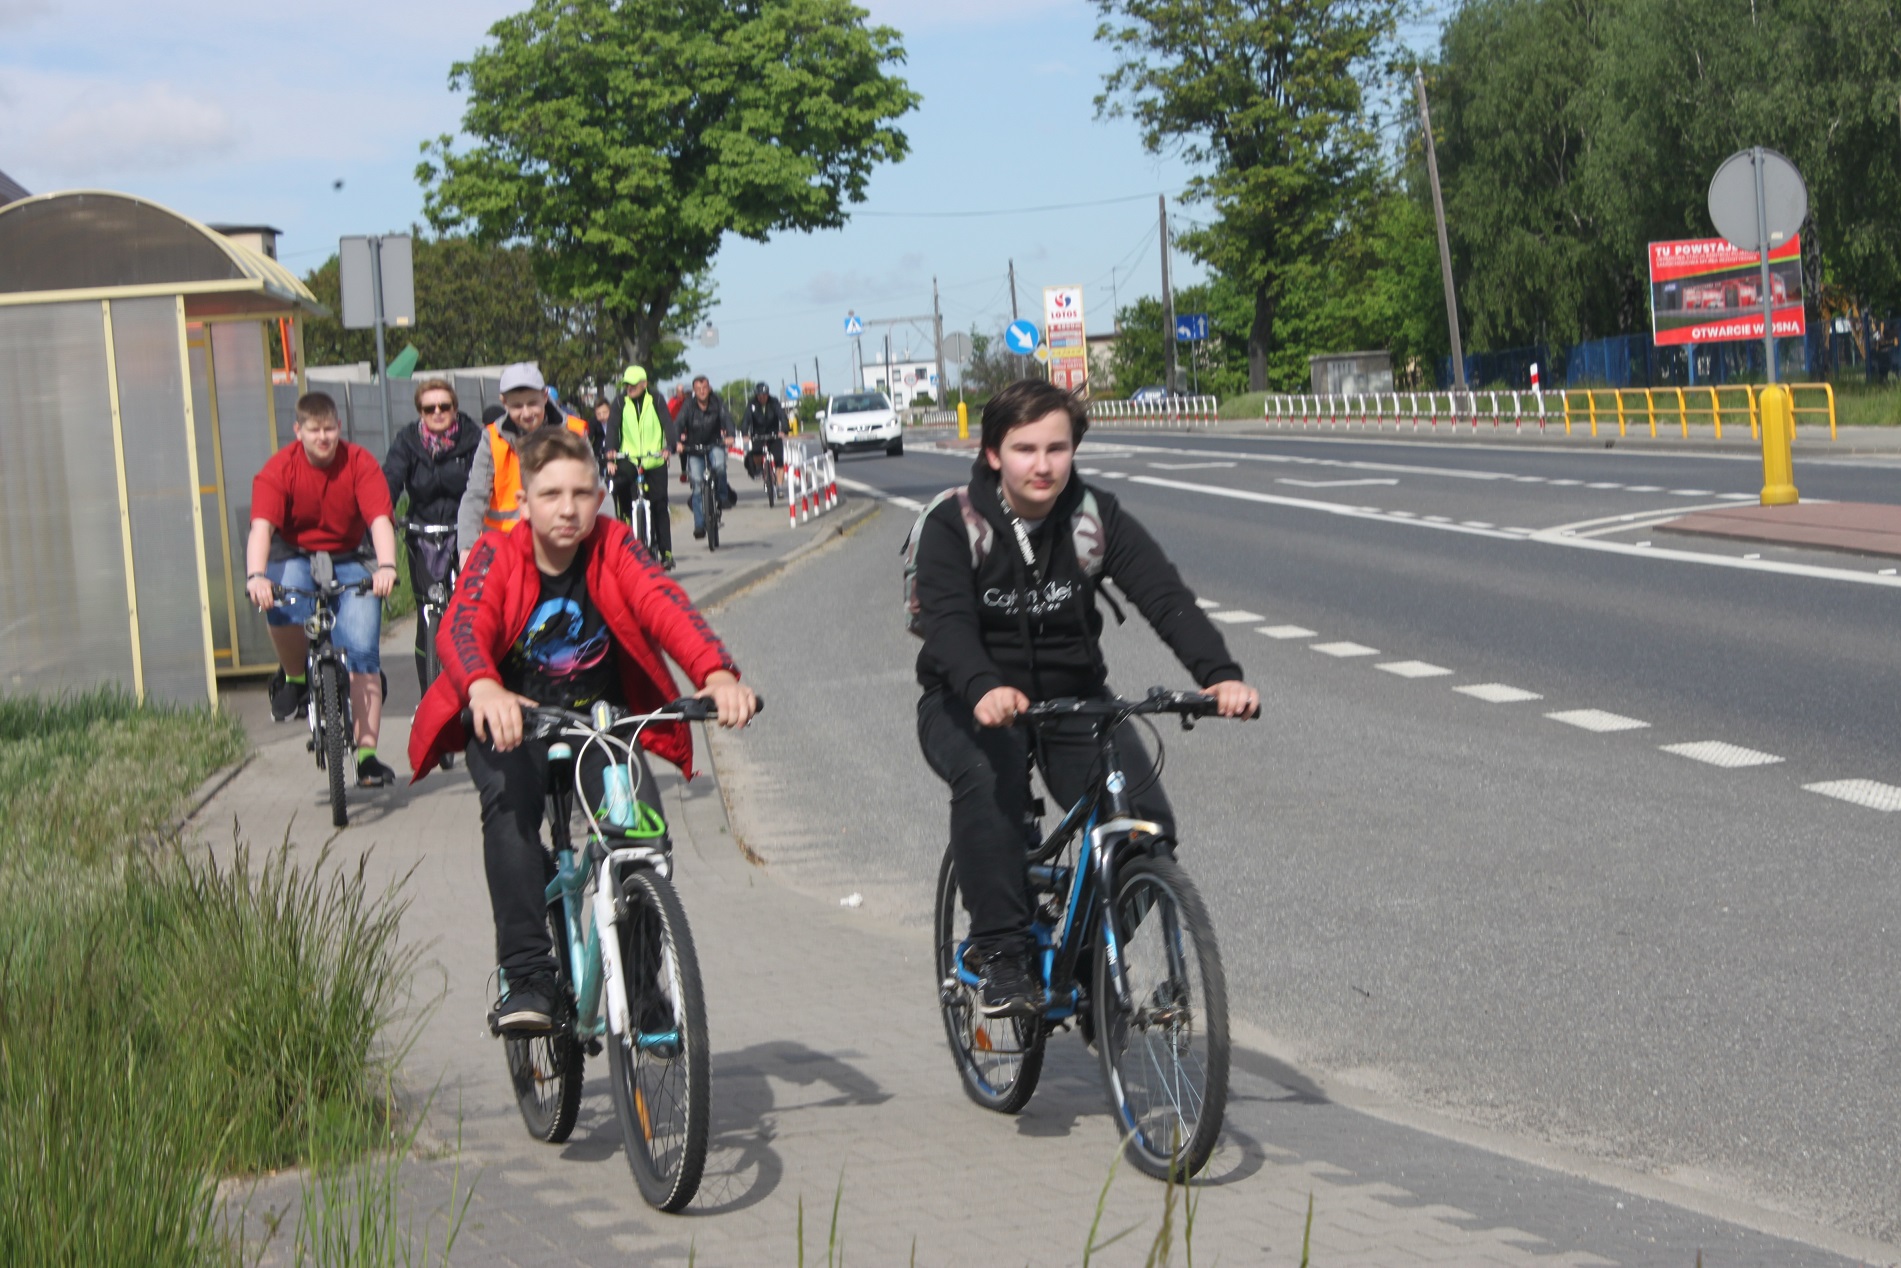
(1306, 504)
(1717, 753)
(1862, 792)
(1115, 475)
(1323, 484)
(1413, 669)
(1693, 493)
(1529, 479)
(1738, 497)
(1561, 537)
(1596, 720)
(1610, 484)
(1526, 531)
(1346, 649)
(1497, 693)
(1286, 631)
(1643, 488)
(1194, 466)
(1206, 604)
(856, 486)
(1438, 519)
(1235, 617)
(1089, 470)
(1404, 515)
(1477, 524)
(1564, 482)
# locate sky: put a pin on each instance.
(245, 113)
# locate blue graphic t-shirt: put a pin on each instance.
(565, 655)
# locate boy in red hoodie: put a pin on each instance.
(572, 612)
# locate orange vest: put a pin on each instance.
(504, 495)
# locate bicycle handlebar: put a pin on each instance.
(428, 530)
(1189, 704)
(546, 720)
(335, 589)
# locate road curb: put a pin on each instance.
(852, 511)
(213, 784)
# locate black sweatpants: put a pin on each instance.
(988, 771)
(513, 788)
(656, 478)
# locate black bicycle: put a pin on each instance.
(331, 726)
(1123, 946)
(434, 544)
(764, 467)
(707, 486)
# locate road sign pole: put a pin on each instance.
(382, 362)
(1768, 296)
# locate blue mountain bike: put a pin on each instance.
(1124, 948)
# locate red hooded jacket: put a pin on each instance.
(645, 612)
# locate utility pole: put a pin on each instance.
(1168, 308)
(818, 384)
(382, 362)
(1014, 316)
(937, 327)
(889, 387)
(1445, 247)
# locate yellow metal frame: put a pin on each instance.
(125, 503)
(1690, 406)
(197, 507)
(216, 423)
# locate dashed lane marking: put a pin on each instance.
(1604, 484)
(1693, 493)
(1438, 519)
(1717, 753)
(1413, 669)
(1556, 482)
(1346, 649)
(1643, 488)
(856, 486)
(1497, 693)
(1287, 631)
(1596, 720)
(1206, 604)
(1738, 497)
(1477, 524)
(1861, 792)
(1235, 616)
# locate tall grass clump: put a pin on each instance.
(166, 1017)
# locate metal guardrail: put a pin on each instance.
(811, 479)
(1590, 408)
(1182, 411)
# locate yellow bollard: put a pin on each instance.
(963, 421)
(1778, 433)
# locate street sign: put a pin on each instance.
(1191, 327)
(792, 392)
(1785, 199)
(1064, 337)
(956, 347)
(854, 325)
(359, 273)
(709, 338)
(1021, 337)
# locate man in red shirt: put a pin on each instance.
(322, 493)
(572, 612)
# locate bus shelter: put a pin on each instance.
(146, 365)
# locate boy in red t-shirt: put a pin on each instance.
(322, 493)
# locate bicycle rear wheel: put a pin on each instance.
(546, 1068)
(770, 471)
(660, 1070)
(333, 690)
(712, 515)
(1165, 1058)
(999, 1059)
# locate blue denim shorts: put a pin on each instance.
(359, 625)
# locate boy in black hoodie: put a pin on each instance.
(1022, 626)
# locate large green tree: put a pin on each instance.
(1268, 97)
(626, 138)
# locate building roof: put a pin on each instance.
(11, 190)
(107, 244)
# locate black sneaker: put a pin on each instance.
(1008, 988)
(699, 531)
(288, 699)
(374, 772)
(527, 1008)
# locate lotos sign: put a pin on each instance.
(1706, 291)
(1063, 335)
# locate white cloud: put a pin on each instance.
(906, 277)
(152, 129)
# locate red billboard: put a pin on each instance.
(1706, 291)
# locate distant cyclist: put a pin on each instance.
(493, 496)
(704, 428)
(429, 460)
(642, 441)
(1007, 575)
(322, 493)
(766, 421)
(567, 613)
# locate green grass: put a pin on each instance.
(166, 1017)
(1858, 404)
(1247, 405)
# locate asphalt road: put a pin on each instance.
(1568, 934)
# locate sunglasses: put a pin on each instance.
(438, 409)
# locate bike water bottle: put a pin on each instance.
(618, 802)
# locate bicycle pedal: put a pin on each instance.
(594, 1047)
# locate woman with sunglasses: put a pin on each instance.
(429, 460)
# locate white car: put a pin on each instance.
(862, 420)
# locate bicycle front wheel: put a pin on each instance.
(545, 1068)
(1164, 1056)
(771, 473)
(712, 516)
(999, 1059)
(333, 690)
(660, 1068)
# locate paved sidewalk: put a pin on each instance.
(831, 1077)
(1858, 528)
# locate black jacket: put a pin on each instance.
(764, 420)
(1000, 626)
(434, 482)
(699, 429)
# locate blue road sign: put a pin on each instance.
(792, 391)
(854, 325)
(1021, 337)
(1190, 327)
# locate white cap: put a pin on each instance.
(522, 374)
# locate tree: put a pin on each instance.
(626, 138)
(1266, 93)
(478, 304)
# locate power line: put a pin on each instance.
(1004, 211)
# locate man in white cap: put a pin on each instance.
(493, 496)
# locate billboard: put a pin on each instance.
(1706, 291)
(1063, 335)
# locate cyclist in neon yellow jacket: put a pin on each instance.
(645, 438)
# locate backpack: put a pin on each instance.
(1086, 532)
